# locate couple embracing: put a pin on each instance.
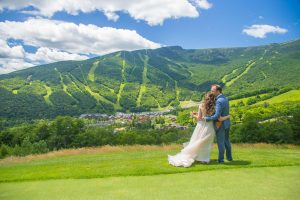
(212, 120)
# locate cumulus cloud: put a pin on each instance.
(11, 52)
(111, 15)
(204, 4)
(154, 12)
(8, 65)
(46, 55)
(73, 38)
(261, 30)
(12, 58)
(16, 58)
(58, 40)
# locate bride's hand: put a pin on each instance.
(200, 118)
(223, 118)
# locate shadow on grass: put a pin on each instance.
(234, 162)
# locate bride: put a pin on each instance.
(200, 145)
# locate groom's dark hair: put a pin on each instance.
(219, 88)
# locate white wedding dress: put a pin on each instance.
(198, 148)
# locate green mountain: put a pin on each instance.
(147, 79)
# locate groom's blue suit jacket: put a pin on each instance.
(222, 109)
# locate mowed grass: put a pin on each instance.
(293, 95)
(249, 183)
(135, 161)
(244, 100)
(258, 171)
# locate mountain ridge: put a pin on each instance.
(147, 79)
(168, 47)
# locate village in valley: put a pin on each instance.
(122, 121)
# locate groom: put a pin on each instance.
(222, 133)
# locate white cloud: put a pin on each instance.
(204, 4)
(154, 12)
(58, 40)
(16, 58)
(261, 30)
(73, 38)
(111, 16)
(46, 55)
(12, 64)
(11, 58)
(11, 52)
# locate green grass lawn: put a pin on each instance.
(293, 95)
(142, 172)
(244, 100)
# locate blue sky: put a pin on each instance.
(35, 32)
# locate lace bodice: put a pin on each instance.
(201, 109)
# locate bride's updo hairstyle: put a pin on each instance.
(209, 103)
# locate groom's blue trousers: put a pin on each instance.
(223, 143)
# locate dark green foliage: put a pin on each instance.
(23, 104)
(93, 137)
(270, 124)
(68, 132)
(295, 124)
(129, 95)
(63, 131)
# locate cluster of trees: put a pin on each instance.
(129, 95)
(276, 123)
(270, 123)
(68, 132)
(104, 91)
(283, 129)
(167, 67)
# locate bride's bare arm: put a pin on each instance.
(197, 115)
(223, 118)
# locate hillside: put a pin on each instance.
(147, 79)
